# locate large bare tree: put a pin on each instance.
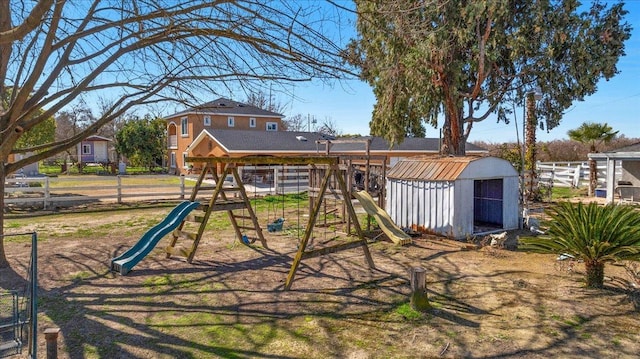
(56, 53)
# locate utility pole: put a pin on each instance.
(310, 121)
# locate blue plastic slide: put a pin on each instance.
(127, 260)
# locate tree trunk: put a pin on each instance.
(595, 273)
(419, 300)
(593, 177)
(3, 258)
(593, 173)
(452, 131)
(530, 149)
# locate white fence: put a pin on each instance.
(48, 191)
(573, 174)
(279, 179)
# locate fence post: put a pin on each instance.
(276, 180)
(51, 336)
(181, 186)
(119, 189)
(576, 176)
(47, 195)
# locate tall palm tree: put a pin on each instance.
(593, 134)
(596, 234)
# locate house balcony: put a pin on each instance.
(173, 142)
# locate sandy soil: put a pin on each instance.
(230, 302)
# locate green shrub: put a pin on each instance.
(593, 233)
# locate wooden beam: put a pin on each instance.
(333, 249)
(308, 231)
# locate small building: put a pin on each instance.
(626, 183)
(94, 149)
(30, 170)
(453, 196)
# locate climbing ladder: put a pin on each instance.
(224, 198)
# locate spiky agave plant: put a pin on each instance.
(594, 233)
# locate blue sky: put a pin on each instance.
(617, 101)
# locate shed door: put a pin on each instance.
(100, 152)
(487, 202)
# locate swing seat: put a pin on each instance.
(276, 225)
(248, 240)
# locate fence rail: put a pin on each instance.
(49, 191)
(573, 174)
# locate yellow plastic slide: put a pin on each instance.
(397, 235)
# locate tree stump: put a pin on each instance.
(419, 300)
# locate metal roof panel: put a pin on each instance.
(431, 168)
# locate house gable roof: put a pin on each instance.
(269, 142)
(96, 138)
(226, 107)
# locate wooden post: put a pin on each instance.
(182, 187)
(119, 188)
(51, 336)
(419, 300)
(47, 194)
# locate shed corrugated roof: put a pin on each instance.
(431, 168)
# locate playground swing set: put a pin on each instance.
(187, 228)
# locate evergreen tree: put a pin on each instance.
(466, 61)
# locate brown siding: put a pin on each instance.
(196, 126)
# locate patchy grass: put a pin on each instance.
(560, 193)
(230, 301)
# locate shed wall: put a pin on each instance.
(630, 172)
(463, 216)
(428, 206)
(511, 204)
(445, 207)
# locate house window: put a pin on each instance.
(231, 121)
(184, 160)
(86, 149)
(207, 120)
(272, 126)
(252, 122)
(184, 126)
(173, 160)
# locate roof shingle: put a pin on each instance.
(223, 106)
(292, 141)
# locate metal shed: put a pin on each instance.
(453, 196)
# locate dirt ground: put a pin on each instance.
(230, 302)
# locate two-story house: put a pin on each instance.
(183, 127)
